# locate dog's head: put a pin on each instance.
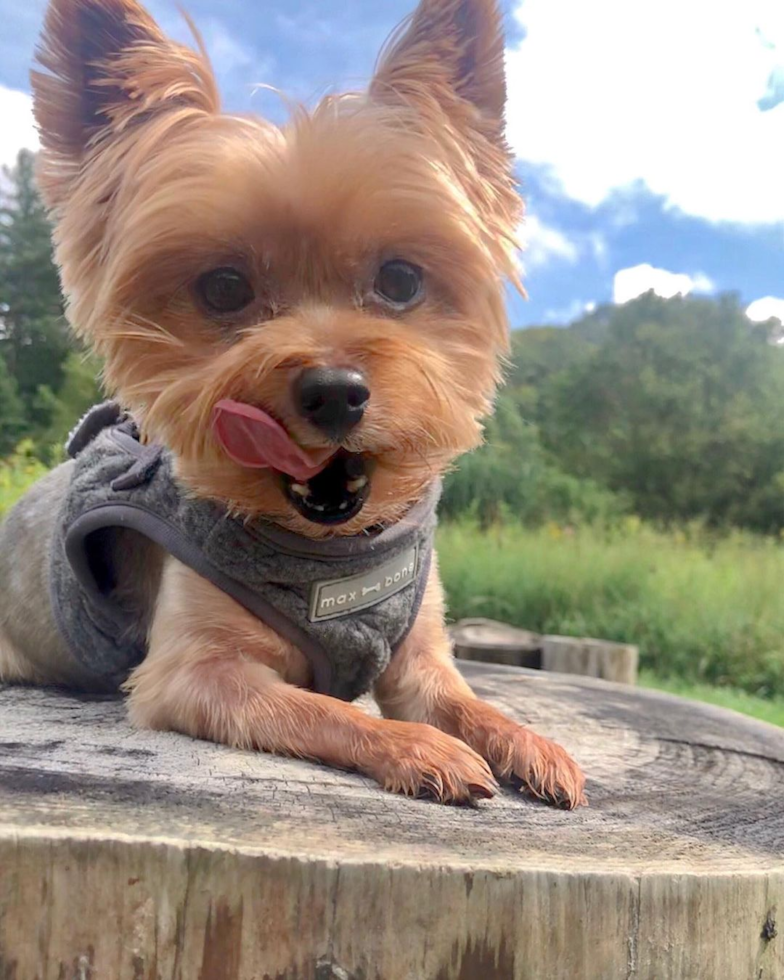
(340, 278)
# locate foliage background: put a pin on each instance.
(46, 382)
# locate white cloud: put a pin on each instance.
(542, 243)
(638, 279)
(226, 52)
(765, 308)
(18, 128)
(229, 55)
(570, 313)
(598, 246)
(607, 93)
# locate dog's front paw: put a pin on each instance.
(540, 766)
(529, 761)
(418, 760)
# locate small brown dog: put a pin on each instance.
(304, 326)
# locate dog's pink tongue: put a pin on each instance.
(254, 439)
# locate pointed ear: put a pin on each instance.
(446, 64)
(107, 65)
(449, 53)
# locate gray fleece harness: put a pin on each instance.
(346, 603)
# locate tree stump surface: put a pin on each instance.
(134, 855)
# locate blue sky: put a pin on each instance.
(649, 133)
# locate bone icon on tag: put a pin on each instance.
(367, 589)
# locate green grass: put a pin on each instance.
(17, 473)
(766, 709)
(706, 611)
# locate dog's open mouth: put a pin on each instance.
(334, 495)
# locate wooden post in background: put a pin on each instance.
(592, 658)
(496, 643)
(490, 641)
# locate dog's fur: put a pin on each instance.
(150, 185)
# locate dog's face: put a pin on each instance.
(343, 274)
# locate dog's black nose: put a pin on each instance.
(332, 399)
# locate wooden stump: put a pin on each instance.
(492, 642)
(130, 855)
(593, 658)
(489, 641)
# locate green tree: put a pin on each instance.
(33, 336)
(80, 389)
(679, 408)
(538, 355)
(512, 476)
(12, 422)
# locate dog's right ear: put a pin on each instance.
(106, 65)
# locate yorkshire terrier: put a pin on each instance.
(301, 329)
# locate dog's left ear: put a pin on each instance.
(448, 58)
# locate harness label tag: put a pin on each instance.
(342, 596)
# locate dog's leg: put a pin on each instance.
(14, 668)
(214, 672)
(423, 684)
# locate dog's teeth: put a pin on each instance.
(354, 485)
(301, 489)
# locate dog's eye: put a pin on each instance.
(224, 290)
(399, 282)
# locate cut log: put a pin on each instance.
(497, 643)
(135, 855)
(592, 658)
(489, 641)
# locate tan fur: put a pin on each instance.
(150, 187)
(215, 672)
(167, 188)
(423, 684)
(15, 667)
